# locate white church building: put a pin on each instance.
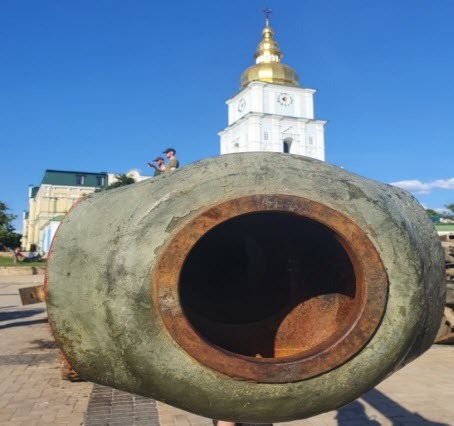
(272, 112)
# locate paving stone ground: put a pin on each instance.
(32, 392)
(31, 389)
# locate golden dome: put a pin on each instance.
(268, 66)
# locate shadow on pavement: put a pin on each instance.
(44, 344)
(23, 313)
(355, 413)
(23, 323)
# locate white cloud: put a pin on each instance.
(414, 186)
(444, 183)
(417, 187)
(443, 210)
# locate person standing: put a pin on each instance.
(17, 254)
(159, 167)
(172, 163)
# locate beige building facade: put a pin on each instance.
(56, 194)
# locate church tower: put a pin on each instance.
(271, 112)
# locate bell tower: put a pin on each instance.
(272, 112)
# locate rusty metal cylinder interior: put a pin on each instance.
(274, 280)
(243, 283)
(253, 287)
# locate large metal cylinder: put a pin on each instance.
(252, 287)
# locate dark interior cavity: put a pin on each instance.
(269, 284)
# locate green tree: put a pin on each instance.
(433, 213)
(122, 180)
(450, 207)
(8, 236)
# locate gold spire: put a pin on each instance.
(268, 66)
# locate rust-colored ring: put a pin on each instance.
(371, 288)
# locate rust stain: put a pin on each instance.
(301, 350)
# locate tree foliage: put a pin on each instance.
(433, 213)
(122, 180)
(450, 207)
(8, 236)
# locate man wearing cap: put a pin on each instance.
(173, 163)
(159, 168)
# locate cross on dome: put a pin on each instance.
(267, 11)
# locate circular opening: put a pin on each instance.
(271, 288)
(269, 285)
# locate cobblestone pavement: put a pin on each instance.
(32, 392)
(170, 416)
(31, 389)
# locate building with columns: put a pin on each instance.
(272, 112)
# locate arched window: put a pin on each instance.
(236, 147)
(286, 144)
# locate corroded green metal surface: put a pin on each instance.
(99, 285)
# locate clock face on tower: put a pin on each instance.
(241, 105)
(285, 99)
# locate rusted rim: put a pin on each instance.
(371, 288)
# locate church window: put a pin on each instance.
(266, 136)
(286, 145)
(236, 147)
(311, 140)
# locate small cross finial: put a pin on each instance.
(267, 11)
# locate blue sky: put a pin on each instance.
(107, 85)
